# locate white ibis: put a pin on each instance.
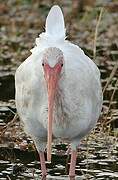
(58, 91)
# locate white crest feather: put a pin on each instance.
(55, 27)
(54, 31)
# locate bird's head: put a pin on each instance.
(52, 62)
(53, 67)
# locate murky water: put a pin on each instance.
(101, 163)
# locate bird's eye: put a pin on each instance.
(42, 64)
(62, 65)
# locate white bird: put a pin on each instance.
(58, 91)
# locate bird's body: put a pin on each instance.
(78, 98)
(78, 102)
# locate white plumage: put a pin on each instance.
(78, 101)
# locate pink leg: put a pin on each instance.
(43, 166)
(72, 165)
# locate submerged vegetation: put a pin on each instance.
(93, 26)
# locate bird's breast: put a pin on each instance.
(61, 114)
(62, 119)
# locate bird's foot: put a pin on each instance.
(71, 177)
(43, 177)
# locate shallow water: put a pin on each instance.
(101, 163)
